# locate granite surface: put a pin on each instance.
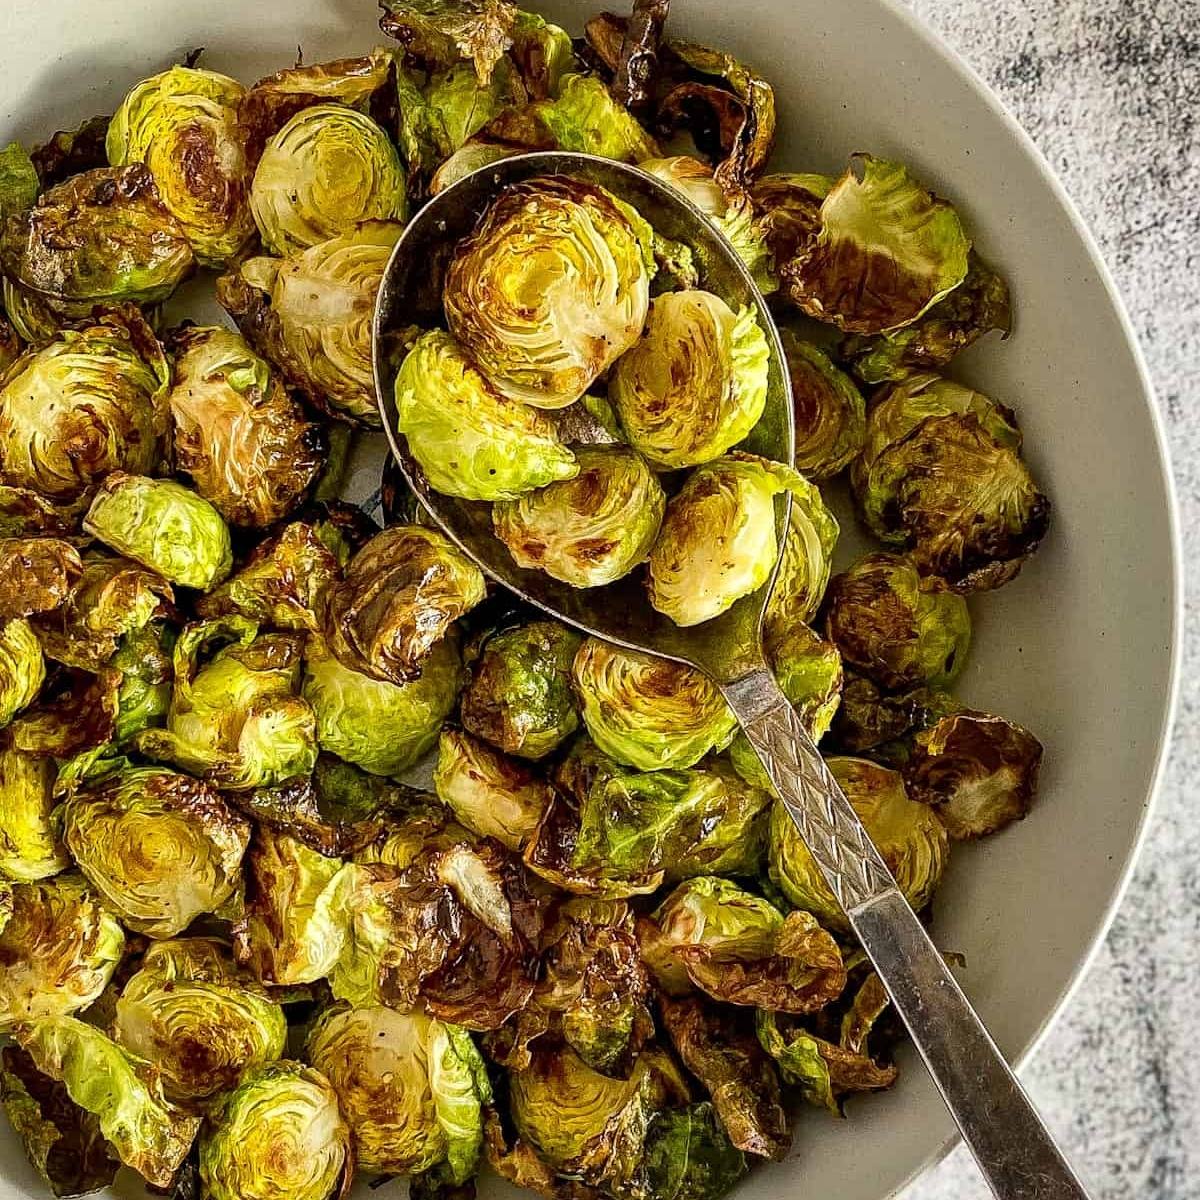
(1110, 91)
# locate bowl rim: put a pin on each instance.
(955, 62)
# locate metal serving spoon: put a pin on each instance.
(1014, 1149)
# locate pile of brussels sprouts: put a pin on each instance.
(240, 954)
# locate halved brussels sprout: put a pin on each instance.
(102, 237)
(978, 305)
(92, 402)
(123, 1091)
(76, 712)
(325, 172)
(311, 313)
(112, 598)
(183, 124)
(829, 410)
(491, 794)
(896, 628)
(411, 1088)
(907, 834)
(978, 771)
(160, 847)
(22, 669)
(164, 526)
(886, 252)
(696, 383)
(243, 440)
(941, 474)
(689, 1155)
(731, 213)
(809, 671)
(823, 1071)
(549, 291)
(284, 584)
(805, 560)
(585, 119)
(718, 539)
(202, 1034)
(711, 934)
(293, 930)
(36, 575)
(399, 596)
(29, 845)
(590, 530)
(382, 727)
(469, 440)
(279, 1134)
(647, 711)
(59, 946)
(63, 1141)
(719, 1048)
(235, 718)
(518, 696)
(617, 832)
(788, 210)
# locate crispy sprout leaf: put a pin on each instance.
(19, 183)
(689, 1155)
(438, 33)
(71, 152)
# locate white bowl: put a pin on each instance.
(1081, 648)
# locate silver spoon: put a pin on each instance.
(1014, 1149)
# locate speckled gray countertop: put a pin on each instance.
(1110, 91)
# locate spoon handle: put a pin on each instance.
(1018, 1157)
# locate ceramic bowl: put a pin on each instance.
(1081, 648)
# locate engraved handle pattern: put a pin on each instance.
(829, 826)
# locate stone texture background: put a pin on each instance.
(1110, 91)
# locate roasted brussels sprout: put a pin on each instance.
(696, 383)
(549, 291)
(978, 305)
(590, 530)
(788, 210)
(325, 172)
(829, 411)
(22, 669)
(311, 313)
(59, 946)
(941, 474)
(235, 718)
(63, 1141)
(124, 1092)
(411, 1088)
(203, 1033)
(978, 771)
(809, 670)
(720, 1049)
(291, 932)
(617, 832)
(805, 560)
(102, 237)
(732, 213)
(718, 540)
(382, 727)
(243, 440)
(19, 183)
(29, 845)
(183, 124)
(92, 402)
(164, 526)
(649, 712)
(284, 584)
(518, 696)
(491, 794)
(161, 848)
(870, 718)
(886, 251)
(279, 1134)
(36, 575)
(896, 628)
(908, 835)
(112, 598)
(400, 594)
(469, 440)
(689, 1155)
(585, 119)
